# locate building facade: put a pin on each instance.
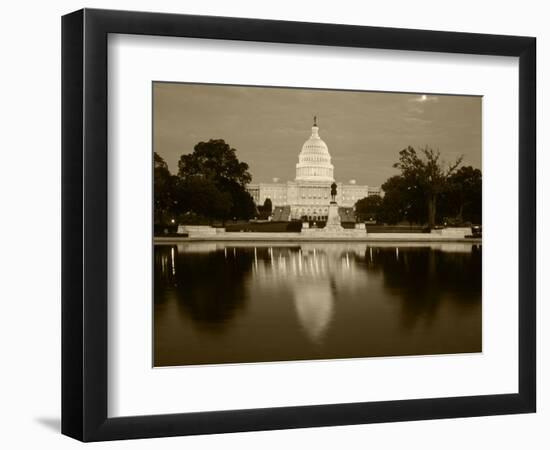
(308, 196)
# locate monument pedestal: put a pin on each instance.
(333, 219)
(333, 229)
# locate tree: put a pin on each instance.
(268, 207)
(426, 172)
(393, 206)
(214, 160)
(202, 197)
(164, 191)
(368, 208)
(242, 203)
(402, 201)
(464, 195)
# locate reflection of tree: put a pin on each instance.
(205, 286)
(210, 287)
(421, 277)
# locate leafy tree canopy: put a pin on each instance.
(243, 206)
(369, 207)
(211, 183)
(202, 197)
(462, 201)
(268, 206)
(164, 191)
(214, 160)
(403, 201)
(427, 173)
(426, 169)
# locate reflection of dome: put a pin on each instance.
(314, 304)
(314, 160)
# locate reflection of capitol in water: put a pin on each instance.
(231, 302)
(314, 275)
(307, 262)
(315, 305)
(317, 276)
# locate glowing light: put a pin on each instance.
(173, 262)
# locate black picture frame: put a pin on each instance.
(84, 224)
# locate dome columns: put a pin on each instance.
(314, 162)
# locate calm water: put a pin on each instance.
(222, 302)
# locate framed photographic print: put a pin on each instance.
(273, 224)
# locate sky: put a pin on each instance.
(364, 131)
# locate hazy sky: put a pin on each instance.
(364, 131)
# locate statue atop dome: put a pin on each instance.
(314, 121)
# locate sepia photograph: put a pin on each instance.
(284, 224)
(295, 224)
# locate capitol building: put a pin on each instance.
(308, 196)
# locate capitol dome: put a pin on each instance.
(314, 160)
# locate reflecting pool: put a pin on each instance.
(249, 302)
